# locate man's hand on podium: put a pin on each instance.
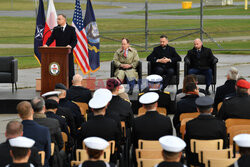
(68, 46)
(45, 45)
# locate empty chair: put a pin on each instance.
(237, 129)
(235, 121)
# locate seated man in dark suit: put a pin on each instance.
(155, 85)
(33, 130)
(204, 127)
(200, 59)
(172, 151)
(226, 89)
(186, 104)
(243, 141)
(20, 150)
(77, 92)
(238, 106)
(163, 59)
(99, 125)
(152, 125)
(13, 130)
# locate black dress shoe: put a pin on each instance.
(130, 92)
(207, 92)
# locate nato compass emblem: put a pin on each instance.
(39, 32)
(54, 68)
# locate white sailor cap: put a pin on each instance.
(149, 98)
(172, 143)
(22, 142)
(51, 93)
(242, 140)
(100, 98)
(154, 78)
(96, 143)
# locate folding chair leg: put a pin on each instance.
(15, 86)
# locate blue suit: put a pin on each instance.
(41, 135)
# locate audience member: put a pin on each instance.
(243, 141)
(226, 89)
(77, 92)
(204, 127)
(126, 60)
(33, 130)
(163, 60)
(200, 60)
(238, 106)
(20, 151)
(117, 104)
(15, 129)
(95, 147)
(186, 104)
(155, 85)
(172, 151)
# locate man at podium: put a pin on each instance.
(64, 35)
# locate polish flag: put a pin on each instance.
(50, 22)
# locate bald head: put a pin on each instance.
(77, 80)
(197, 43)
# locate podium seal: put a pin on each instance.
(54, 68)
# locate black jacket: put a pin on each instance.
(122, 108)
(160, 52)
(243, 161)
(151, 126)
(100, 126)
(6, 159)
(54, 128)
(170, 164)
(204, 127)
(235, 107)
(95, 164)
(163, 101)
(185, 105)
(79, 94)
(203, 62)
(222, 91)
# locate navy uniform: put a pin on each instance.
(164, 96)
(99, 125)
(152, 125)
(238, 106)
(171, 144)
(243, 141)
(21, 143)
(204, 127)
(79, 94)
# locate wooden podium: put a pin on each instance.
(54, 67)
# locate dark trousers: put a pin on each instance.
(166, 73)
(207, 73)
(71, 69)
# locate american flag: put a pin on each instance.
(81, 50)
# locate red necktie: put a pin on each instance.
(125, 55)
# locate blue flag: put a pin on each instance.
(40, 24)
(92, 33)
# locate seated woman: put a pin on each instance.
(95, 147)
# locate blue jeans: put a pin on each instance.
(207, 73)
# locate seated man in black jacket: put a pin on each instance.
(200, 60)
(13, 130)
(163, 59)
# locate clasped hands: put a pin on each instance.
(125, 66)
(68, 46)
(163, 60)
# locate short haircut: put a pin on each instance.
(19, 153)
(95, 154)
(149, 106)
(125, 39)
(24, 109)
(233, 73)
(63, 15)
(187, 79)
(37, 104)
(14, 128)
(163, 36)
(190, 87)
(170, 155)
